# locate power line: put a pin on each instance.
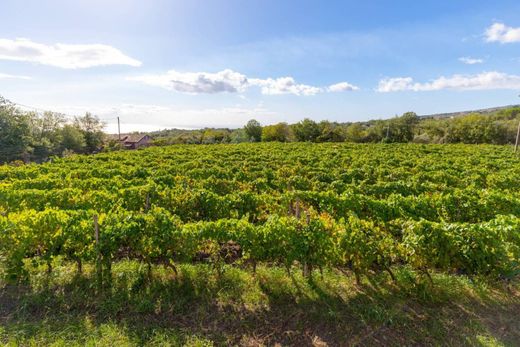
(72, 117)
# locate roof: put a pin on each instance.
(129, 138)
(133, 137)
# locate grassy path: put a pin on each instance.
(273, 307)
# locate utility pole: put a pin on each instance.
(118, 129)
(517, 137)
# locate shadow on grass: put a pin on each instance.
(270, 307)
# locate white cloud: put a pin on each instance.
(482, 81)
(197, 82)
(233, 82)
(8, 76)
(499, 32)
(147, 117)
(342, 87)
(471, 61)
(284, 85)
(66, 56)
(395, 84)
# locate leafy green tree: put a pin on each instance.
(92, 129)
(192, 137)
(331, 132)
(240, 135)
(15, 134)
(355, 133)
(433, 129)
(72, 139)
(510, 128)
(253, 130)
(401, 129)
(45, 135)
(405, 127)
(476, 128)
(306, 131)
(278, 132)
(215, 136)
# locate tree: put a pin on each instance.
(92, 129)
(239, 136)
(189, 137)
(277, 132)
(355, 133)
(403, 127)
(15, 135)
(215, 136)
(306, 131)
(398, 129)
(253, 130)
(331, 132)
(476, 128)
(72, 139)
(45, 135)
(434, 130)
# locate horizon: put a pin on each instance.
(114, 131)
(163, 64)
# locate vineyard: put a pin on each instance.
(361, 209)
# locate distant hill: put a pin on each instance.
(463, 113)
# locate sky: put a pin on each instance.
(218, 63)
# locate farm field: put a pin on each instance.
(322, 243)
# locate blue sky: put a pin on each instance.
(160, 64)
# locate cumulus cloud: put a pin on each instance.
(342, 87)
(284, 85)
(471, 61)
(66, 56)
(148, 117)
(8, 76)
(395, 84)
(482, 81)
(499, 32)
(197, 82)
(233, 82)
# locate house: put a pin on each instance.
(135, 141)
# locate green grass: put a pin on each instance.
(199, 309)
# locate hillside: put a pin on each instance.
(483, 111)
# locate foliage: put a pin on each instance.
(498, 127)
(72, 139)
(476, 129)
(306, 131)
(362, 208)
(33, 137)
(14, 133)
(278, 132)
(253, 130)
(92, 129)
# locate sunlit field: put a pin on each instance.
(263, 244)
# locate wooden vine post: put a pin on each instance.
(147, 203)
(99, 269)
(517, 137)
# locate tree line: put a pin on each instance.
(32, 137)
(495, 128)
